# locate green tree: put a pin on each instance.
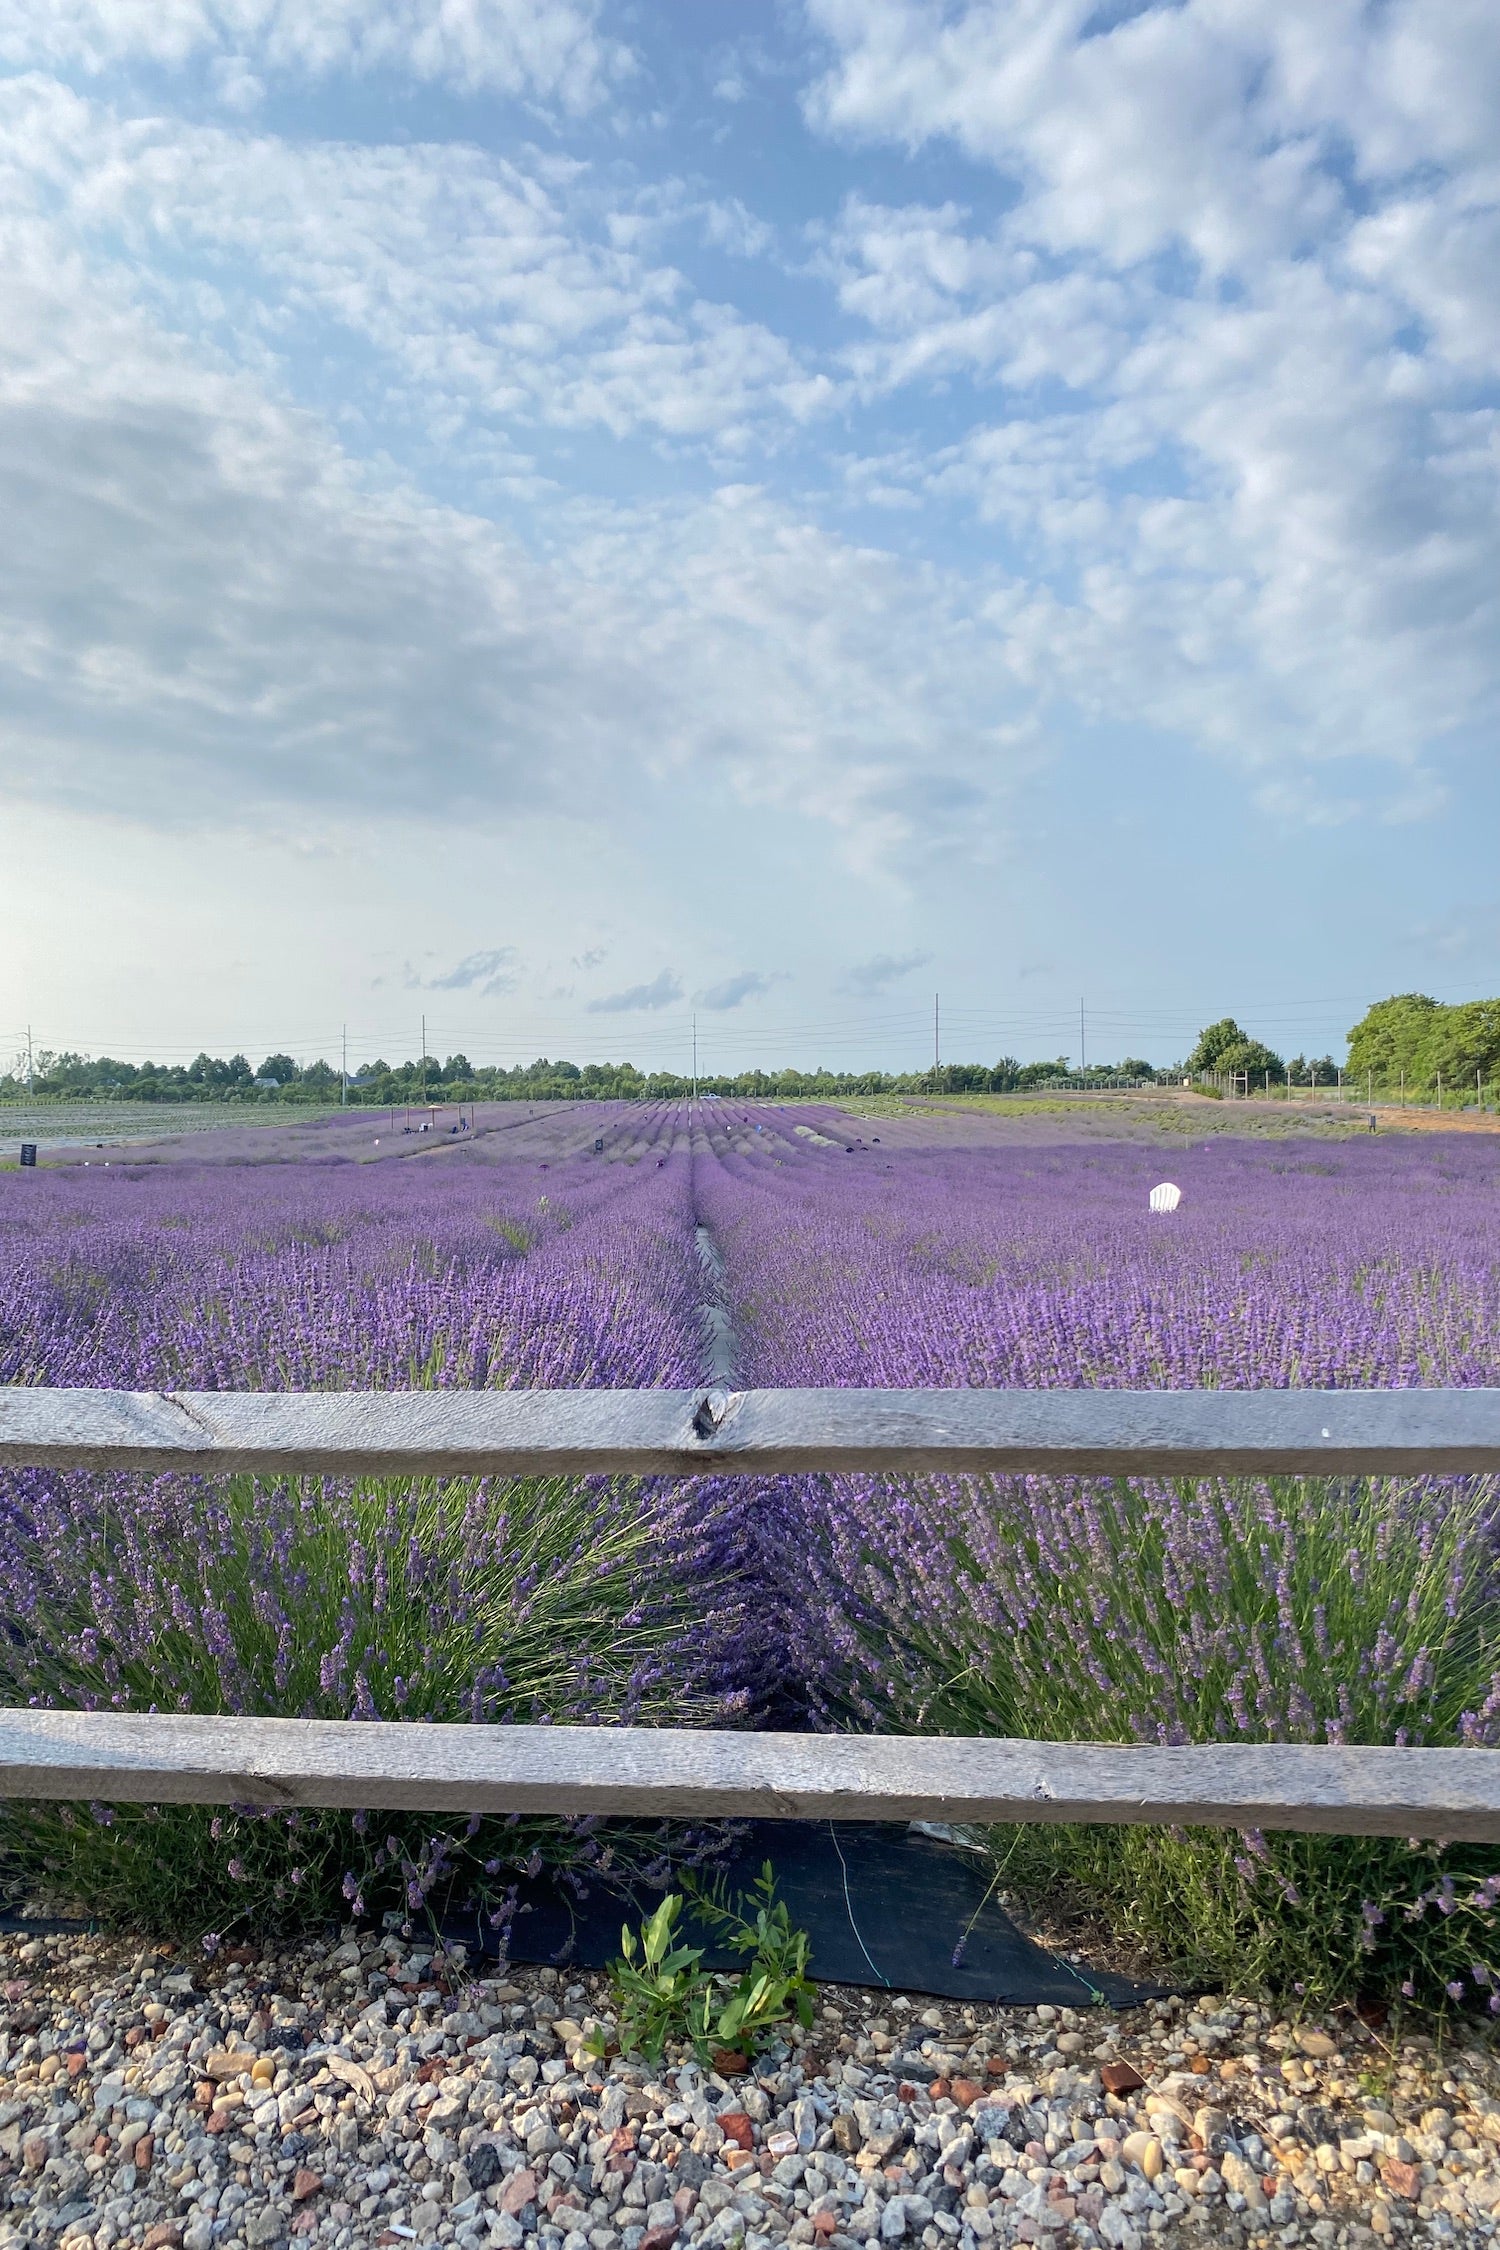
(1465, 1045)
(1248, 1058)
(1394, 1039)
(1214, 1041)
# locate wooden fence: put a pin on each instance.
(694, 1773)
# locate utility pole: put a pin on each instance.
(1083, 1043)
(424, 1062)
(937, 1059)
(695, 1055)
(344, 1077)
(29, 1071)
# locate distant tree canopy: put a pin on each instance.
(1312, 1070)
(1409, 1033)
(381, 1084)
(1224, 1050)
(1420, 1040)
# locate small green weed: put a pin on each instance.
(663, 1994)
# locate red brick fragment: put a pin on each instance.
(305, 2182)
(736, 2126)
(165, 2235)
(729, 2062)
(966, 2091)
(1120, 2078)
(1402, 2179)
(662, 2237)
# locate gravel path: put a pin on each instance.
(361, 2093)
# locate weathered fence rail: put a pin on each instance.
(695, 1773)
(683, 1433)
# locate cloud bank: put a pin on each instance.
(354, 469)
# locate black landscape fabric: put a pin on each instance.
(884, 1906)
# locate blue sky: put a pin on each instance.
(565, 517)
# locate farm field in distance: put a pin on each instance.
(927, 1248)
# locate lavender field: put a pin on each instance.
(847, 1252)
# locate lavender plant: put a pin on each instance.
(558, 1601)
(554, 1602)
(1298, 1610)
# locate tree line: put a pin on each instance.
(381, 1084)
(1418, 1043)
(1409, 1041)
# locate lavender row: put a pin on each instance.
(1294, 1610)
(350, 1278)
(1319, 1267)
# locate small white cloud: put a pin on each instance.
(660, 993)
(734, 991)
(867, 979)
(1456, 937)
(236, 85)
(730, 226)
(489, 974)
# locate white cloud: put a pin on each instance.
(205, 606)
(1254, 508)
(661, 992)
(551, 50)
(868, 979)
(500, 292)
(489, 973)
(733, 992)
